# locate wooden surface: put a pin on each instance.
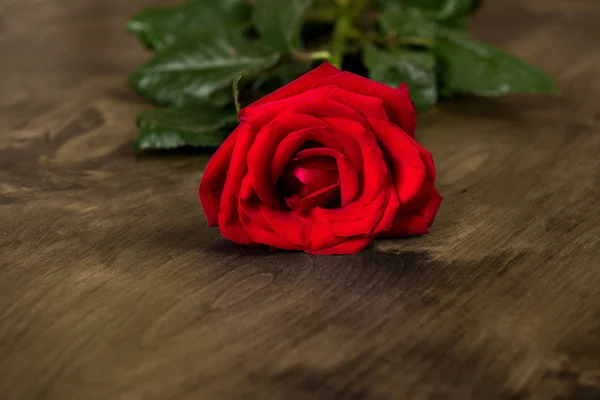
(112, 286)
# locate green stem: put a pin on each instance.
(319, 55)
(236, 92)
(349, 10)
(315, 55)
(340, 37)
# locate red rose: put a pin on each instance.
(324, 165)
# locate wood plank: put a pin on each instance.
(112, 286)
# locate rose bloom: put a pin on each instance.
(323, 165)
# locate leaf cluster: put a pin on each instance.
(205, 51)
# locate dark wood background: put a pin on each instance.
(112, 286)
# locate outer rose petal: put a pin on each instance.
(391, 209)
(367, 106)
(286, 225)
(300, 85)
(263, 234)
(428, 161)
(315, 102)
(416, 204)
(409, 121)
(417, 223)
(353, 221)
(404, 159)
(213, 180)
(229, 222)
(431, 209)
(400, 108)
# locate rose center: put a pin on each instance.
(311, 182)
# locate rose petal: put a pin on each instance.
(265, 114)
(267, 141)
(316, 160)
(351, 148)
(348, 176)
(373, 169)
(361, 216)
(397, 102)
(287, 224)
(250, 208)
(417, 223)
(355, 221)
(367, 106)
(392, 205)
(290, 145)
(258, 228)
(403, 157)
(430, 211)
(427, 160)
(315, 102)
(234, 231)
(315, 199)
(228, 216)
(320, 236)
(213, 180)
(307, 176)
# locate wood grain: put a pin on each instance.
(112, 286)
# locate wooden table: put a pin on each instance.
(112, 286)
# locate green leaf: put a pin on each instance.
(175, 127)
(401, 22)
(450, 13)
(221, 98)
(199, 70)
(292, 71)
(285, 73)
(416, 68)
(159, 28)
(468, 66)
(444, 10)
(279, 22)
(465, 65)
